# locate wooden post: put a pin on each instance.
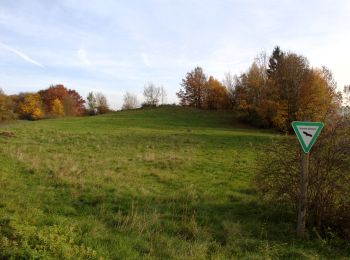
(303, 194)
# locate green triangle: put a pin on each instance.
(307, 133)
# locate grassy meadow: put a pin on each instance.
(168, 183)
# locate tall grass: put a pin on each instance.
(156, 183)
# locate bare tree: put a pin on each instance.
(163, 95)
(130, 101)
(230, 82)
(347, 95)
(152, 94)
(101, 103)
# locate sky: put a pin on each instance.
(114, 46)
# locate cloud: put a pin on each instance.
(21, 55)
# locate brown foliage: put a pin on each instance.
(202, 93)
(194, 86)
(73, 103)
(328, 206)
(6, 107)
(101, 103)
(216, 95)
(284, 91)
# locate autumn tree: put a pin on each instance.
(216, 95)
(251, 94)
(72, 102)
(6, 107)
(284, 89)
(152, 94)
(30, 107)
(57, 109)
(317, 98)
(130, 101)
(194, 89)
(101, 103)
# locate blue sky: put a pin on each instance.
(117, 46)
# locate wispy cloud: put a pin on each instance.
(117, 46)
(21, 55)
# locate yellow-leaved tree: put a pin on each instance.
(6, 107)
(30, 107)
(57, 109)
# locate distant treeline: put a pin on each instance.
(273, 92)
(55, 101)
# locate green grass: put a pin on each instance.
(156, 183)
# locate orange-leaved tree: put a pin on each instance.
(194, 89)
(72, 102)
(217, 96)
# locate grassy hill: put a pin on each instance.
(156, 183)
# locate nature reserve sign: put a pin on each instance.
(307, 133)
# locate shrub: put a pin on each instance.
(328, 207)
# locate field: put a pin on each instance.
(157, 183)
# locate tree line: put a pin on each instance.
(59, 101)
(273, 92)
(154, 96)
(55, 101)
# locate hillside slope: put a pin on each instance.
(157, 183)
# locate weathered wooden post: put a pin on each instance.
(303, 194)
(307, 133)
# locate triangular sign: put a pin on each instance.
(307, 132)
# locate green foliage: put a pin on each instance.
(157, 183)
(20, 240)
(91, 103)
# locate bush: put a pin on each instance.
(328, 207)
(30, 107)
(147, 105)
